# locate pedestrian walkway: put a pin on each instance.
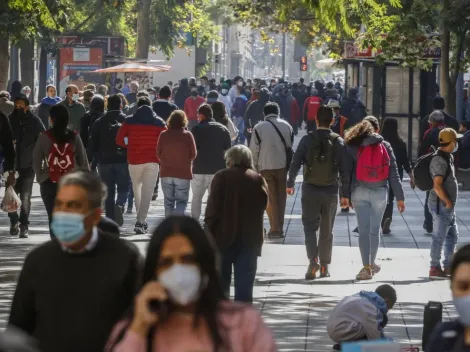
(295, 309)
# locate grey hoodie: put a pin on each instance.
(393, 177)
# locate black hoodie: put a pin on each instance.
(182, 93)
(255, 111)
(96, 111)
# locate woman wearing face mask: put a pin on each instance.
(225, 98)
(455, 335)
(181, 306)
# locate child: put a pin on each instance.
(361, 316)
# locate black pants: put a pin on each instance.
(318, 212)
(389, 209)
(48, 193)
(24, 189)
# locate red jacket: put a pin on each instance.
(142, 131)
(311, 107)
(191, 105)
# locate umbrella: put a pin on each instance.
(133, 67)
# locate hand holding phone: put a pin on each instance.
(148, 308)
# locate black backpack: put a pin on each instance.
(321, 168)
(432, 317)
(108, 133)
(422, 174)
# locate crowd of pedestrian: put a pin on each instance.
(92, 152)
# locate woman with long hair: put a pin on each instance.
(125, 103)
(182, 306)
(390, 134)
(176, 151)
(375, 170)
(60, 135)
(220, 116)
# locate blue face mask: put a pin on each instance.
(456, 148)
(68, 227)
(462, 305)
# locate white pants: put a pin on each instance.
(199, 185)
(144, 177)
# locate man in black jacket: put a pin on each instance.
(212, 141)
(7, 150)
(255, 112)
(320, 189)
(162, 106)
(86, 279)
(112, 159)
(26, 129)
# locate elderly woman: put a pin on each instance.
(234, 216)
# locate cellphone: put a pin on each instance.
(160, 308)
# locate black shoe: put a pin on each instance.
(356, 229)
(129, 211)
(14, 229)
(146, 226)
(428, 228)
(24, 231)
(311, 273)
(139, 228)
(324, 272)
(386, 226)
(345, 210)
(275, 234)
(337, 347)
(155, 196)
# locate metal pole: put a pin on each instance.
(284, 37)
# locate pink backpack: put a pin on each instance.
(373, 163)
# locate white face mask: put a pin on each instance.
(240, 83)
(75, 97)
(183, 283)
(224, 91)
(152, 97)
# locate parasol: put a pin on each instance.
(325, 63)
(133, 67)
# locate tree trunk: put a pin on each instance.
(42, 72)
(27, 65)
(445, 84)
(4, 60)
(143, 30)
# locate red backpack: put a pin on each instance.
(313, 105)
(61, 158)
(373, 163)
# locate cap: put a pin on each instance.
(212, 96)
(224, 86)
(448, 135)
(334, 104)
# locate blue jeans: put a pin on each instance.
(427, 214)
(245, 262)
(115, 175)
(446, 233)
(369, 204)
(240, 124)
(176, 193)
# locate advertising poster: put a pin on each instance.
(75, 65)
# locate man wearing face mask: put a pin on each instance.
(132, 96)
(233, 92)
(191, 105)
(26, 129)
(224, 97)
(204, 88)
(441, 203)
(47, 103)
(86, 277)
(455, 335)
(76, 109)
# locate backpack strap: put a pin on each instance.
(280, 135)
(446, 158)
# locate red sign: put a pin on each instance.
(76, 63)
(351, 51)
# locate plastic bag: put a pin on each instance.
(11, 202)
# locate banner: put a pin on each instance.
(75, 64)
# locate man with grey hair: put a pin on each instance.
(86, 278)
(430, 144)
(132, 96)
(234, 216)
